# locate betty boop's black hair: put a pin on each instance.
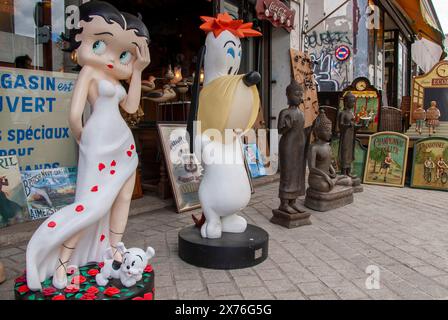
(110, 14)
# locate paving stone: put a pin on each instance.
(166, 293)
(326, 260)
(234, 297)
(330, 296)
(429, 271)
(163, 281)
(222, 289)
(349, 292)
(189, 285)
(256, 293)
(247, 281)
(270, 274)
(7, 252)
(314, 288)
(279, 285)
(289, 295)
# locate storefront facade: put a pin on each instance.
(32, 39)
(361, 38)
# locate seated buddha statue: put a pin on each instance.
(322, 175)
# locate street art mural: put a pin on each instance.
(331, 74)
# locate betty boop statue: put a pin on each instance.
(110, 46)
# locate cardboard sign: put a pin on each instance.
(34, 112)
(430, 164)
(303, 74)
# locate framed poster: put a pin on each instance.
(13, 208)
(254, 160)
(430, 164)
(49, 190)
(432, 86)
(183, 168)
(386, 159)
(360, 157)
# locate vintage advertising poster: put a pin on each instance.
(183, 168)
(430, 164)
(387, 159)
(49, 190)
(13, 207)
(360, 157)
(367, 107)
(34, 112)
(254, 160)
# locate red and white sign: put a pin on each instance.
(278, 13)
(342, 53)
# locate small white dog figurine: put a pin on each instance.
(131, 269)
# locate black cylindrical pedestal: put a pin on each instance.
(231, 251)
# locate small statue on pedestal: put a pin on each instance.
(419, 116)
(347, 127)
(432, 117)
(291, 149)
(323, 193)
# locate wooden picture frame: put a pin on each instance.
(432, 148)
(368, 104)
(184, 178)
(389, 151)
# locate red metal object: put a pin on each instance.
(278, 13)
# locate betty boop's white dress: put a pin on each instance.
(107, 159)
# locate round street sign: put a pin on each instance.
(342, 53)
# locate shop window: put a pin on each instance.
(30, 30)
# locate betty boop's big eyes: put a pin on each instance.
(99, 47)
(231, 51)
(125, 57)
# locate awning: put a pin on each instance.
(422, 20)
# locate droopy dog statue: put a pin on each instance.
(228, 107)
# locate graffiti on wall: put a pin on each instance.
(330, 73)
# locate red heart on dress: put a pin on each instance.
(51, 224)
(113, 163)
(94, 189)
(101, 166)
(102, 237)
(112, 172)
(79, 208)
(129, 153)
(132, 147)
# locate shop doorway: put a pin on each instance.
(174, 31)
(175, 42)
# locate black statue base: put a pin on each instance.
(231, 251)
(290, 221)
(88, 289)
(339, 197)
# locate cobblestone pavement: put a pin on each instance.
(401, 231)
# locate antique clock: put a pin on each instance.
(361, 85)
(442, 70)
